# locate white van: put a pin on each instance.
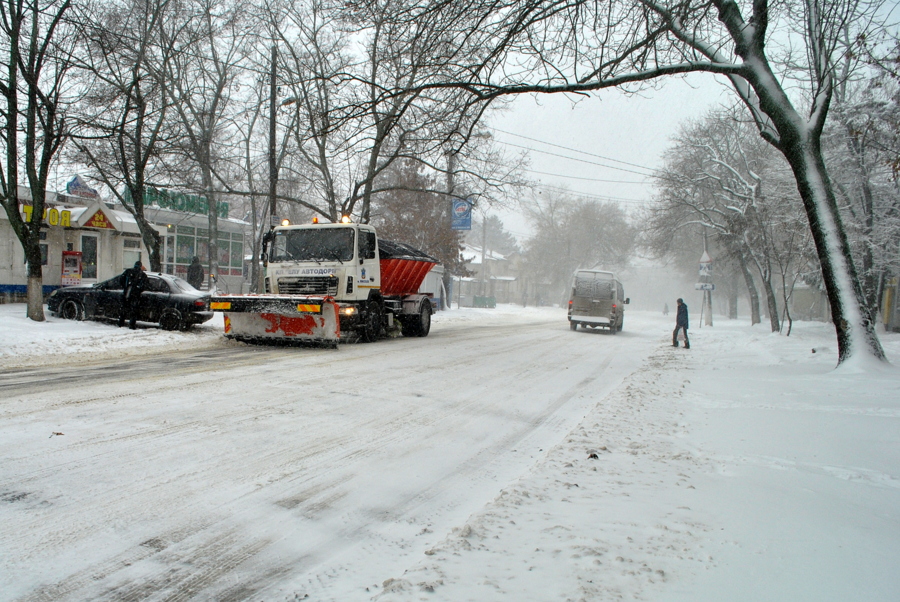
(597, 300)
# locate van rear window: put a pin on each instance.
(595, 289)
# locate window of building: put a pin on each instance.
(88, 257)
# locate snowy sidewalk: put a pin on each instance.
(743, 469)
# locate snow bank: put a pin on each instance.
(26, 342)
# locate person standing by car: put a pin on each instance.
(134, 282)
(681, 321)
(195, 273)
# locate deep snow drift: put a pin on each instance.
(746, 468)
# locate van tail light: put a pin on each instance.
(570, 303)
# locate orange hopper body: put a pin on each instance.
(403, 276)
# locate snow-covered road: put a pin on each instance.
(228, 470)
(503, 457)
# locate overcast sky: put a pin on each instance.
(600, 147)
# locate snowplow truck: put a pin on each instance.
(328, 281)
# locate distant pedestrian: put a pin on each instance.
(665, 309)
(195, 273)
(681, 322)
(134, 282)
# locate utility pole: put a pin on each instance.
(450, 250)
(483, 251)
(273, 163)
(706, 266)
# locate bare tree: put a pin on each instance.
(412, 213)
(38, 39)
(577, 46)
(203, 76)
(355, 107)
(126, 125)
(318, 149)
(575, 233)
(861, 150)
(719, 176)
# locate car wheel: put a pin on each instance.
(573, 325)
(621, 324)
(71, 310)
(170, 320)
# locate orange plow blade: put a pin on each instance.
(262, 318)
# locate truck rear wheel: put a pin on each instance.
(424, 321)
(418, 325)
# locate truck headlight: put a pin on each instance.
(348, 310)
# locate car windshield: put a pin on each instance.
(313, 244)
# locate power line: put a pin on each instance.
(594, 196)
(575, 150)
(545, 173)
(528, 148)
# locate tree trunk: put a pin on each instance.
(771, 304)
(255, 246)
(733, 296)
(751, 291)
(35, 294)
(212, 220)
(151, 238)
(853, 321)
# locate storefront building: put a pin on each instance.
(85, 241)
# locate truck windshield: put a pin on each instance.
(313, 244)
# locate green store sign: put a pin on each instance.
(178, 201)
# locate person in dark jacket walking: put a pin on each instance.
(134, 282)
(681, 321)
(195, 273)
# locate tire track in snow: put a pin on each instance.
(339, 453)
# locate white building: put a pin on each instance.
(104, 240)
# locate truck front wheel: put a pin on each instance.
(371, 326)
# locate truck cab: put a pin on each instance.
(597, 300)
(330, 260)
(339, 260)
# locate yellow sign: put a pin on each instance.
(220, 305)
(52, 215)
(311, 309)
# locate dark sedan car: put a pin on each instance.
(169, 300)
